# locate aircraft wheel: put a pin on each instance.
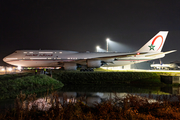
(91, 69)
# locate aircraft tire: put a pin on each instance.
(91, 69)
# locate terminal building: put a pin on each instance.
(171, 66)
(143, 65)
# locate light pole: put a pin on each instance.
(107, 40)
(97, 47)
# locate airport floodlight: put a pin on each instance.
(97, 48)
(10, 69)
(107, 40)
(19, 68)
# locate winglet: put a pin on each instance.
(155, 44)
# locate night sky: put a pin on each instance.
(81, 25)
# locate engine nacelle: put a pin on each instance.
(108, 60)
(70, 66)
(93, 63)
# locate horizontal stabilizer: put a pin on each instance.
(170, 51)
(161, 53)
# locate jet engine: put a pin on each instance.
(70, 66)
(108, 60)
(93, 63)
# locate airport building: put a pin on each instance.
(143, 65)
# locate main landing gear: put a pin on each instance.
(83, 70)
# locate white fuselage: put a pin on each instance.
(53, 58)
(71, 59)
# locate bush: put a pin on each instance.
(105, 77)
(29, 84)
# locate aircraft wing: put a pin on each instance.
(126, 55)
(101, 57)
(122, 55)
(112, 56)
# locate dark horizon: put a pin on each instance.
(82, 25)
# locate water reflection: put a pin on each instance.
(93, 98)
(91, 95)
(171, 90)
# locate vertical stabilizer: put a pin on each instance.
(156, 43)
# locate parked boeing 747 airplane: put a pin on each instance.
(71, 59)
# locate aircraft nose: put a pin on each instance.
(4, 59)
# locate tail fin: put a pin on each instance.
(155, 44)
